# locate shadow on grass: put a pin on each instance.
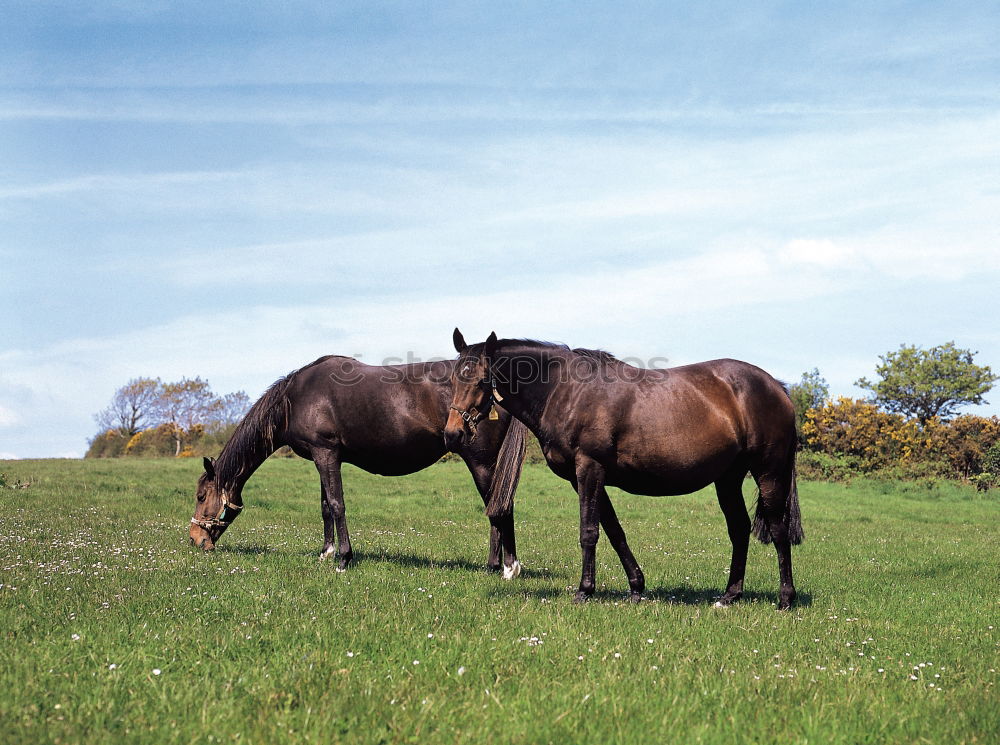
(693, 596)
(706, 595)
(244, 549)
(683, 595)
(412, 561)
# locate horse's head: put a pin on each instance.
(214, 510)
(472, 390)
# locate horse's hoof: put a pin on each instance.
(581, 597)
(635, 597)
(326, 553)
(720, 604)
(514, 570)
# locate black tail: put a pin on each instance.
(793, 518)
(507, 472)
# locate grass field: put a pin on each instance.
(114, 629)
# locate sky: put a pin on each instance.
(230, 190)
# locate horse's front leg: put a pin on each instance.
(503, 527)
(503, 546)
(332, 506)
(589, 485)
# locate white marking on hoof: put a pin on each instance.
(341, 570)
(514, 570)
(720, 604)
(327, 552)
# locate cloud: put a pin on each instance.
(116, 184)
(8, 418)
(385, 215)
(623, 309)
(820, 252)
(636, 309)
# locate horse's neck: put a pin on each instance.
(531, 396)
(236, 467)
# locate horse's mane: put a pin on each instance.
(254, 437)
(598, 355)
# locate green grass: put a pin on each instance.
(260, 642)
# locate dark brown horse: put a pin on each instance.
(603, 423)
(387, 420)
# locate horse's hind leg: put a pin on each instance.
(773, 503)
(332, 504)
(729, 490)
(503, 547)
(616, 536)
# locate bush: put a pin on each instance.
(847, 437)
(826, 467)
(859, 429)
(962, 443)
(985, 481)
(989, 478)
(109, 444)
(991, 459)
(158, 441)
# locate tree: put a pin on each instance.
(134, 407)
(149, 417)
(187, 404)
(810, 392)
(232, 408)
(928, 383)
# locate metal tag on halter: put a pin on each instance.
(493, 414)
(497, 395)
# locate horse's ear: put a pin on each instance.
(489, 346)
(209, 467)
(459, 340)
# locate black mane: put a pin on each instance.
(511, 345)
(254, 438)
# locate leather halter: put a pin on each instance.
(228, 512)
(471, 419)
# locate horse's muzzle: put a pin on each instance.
(201, 538)
(454, 438)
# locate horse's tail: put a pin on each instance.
(507, 472)
(792, 519)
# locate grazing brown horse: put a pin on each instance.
(601, 423)
(387, 420)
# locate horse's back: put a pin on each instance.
(677, 430)
(385, 419)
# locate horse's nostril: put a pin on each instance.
(453, 438)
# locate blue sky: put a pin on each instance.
(230, 190)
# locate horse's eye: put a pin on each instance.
(201, 497)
